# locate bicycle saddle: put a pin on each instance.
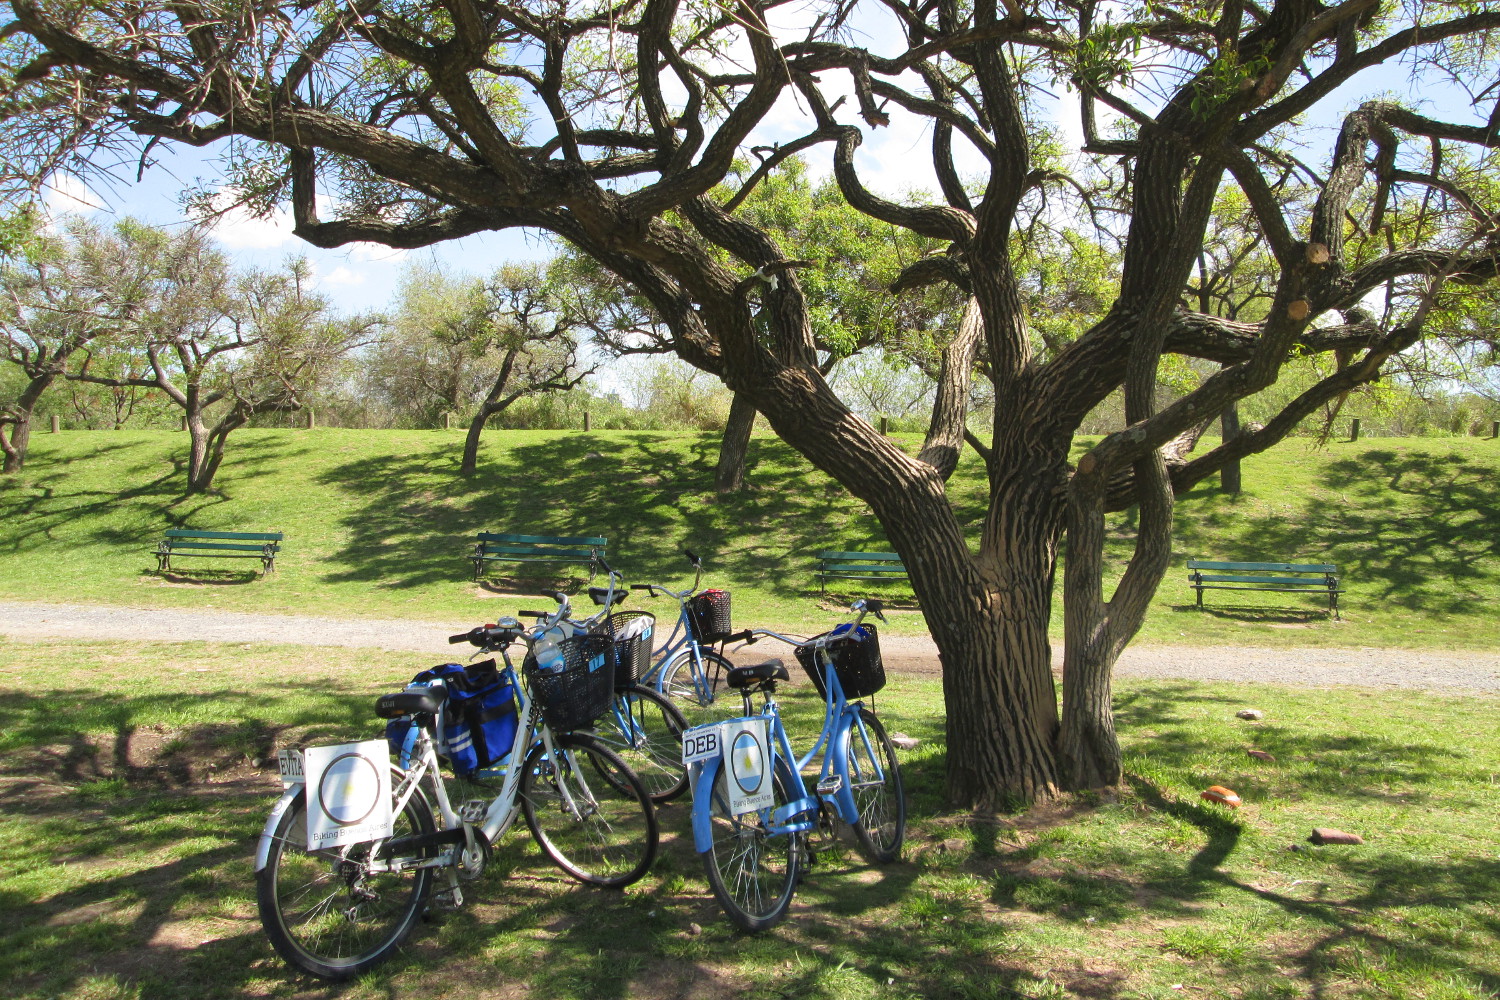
(412, 701)
(743, 677)
(601, 594)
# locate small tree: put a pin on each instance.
(530, 328)
(224, 348)
(58, 295)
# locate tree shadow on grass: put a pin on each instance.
(133, 516)
(418, 519)
(1408, 529)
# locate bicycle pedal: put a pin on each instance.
(830, 785)
(446, 900)
(473, 811)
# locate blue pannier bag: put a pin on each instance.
(480, 717)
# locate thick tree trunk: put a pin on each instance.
(735, 446)
(988, 614)
(15, 443)
(470, 462)
(989, 618)
(1229, 423)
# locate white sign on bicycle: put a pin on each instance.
(348, 793)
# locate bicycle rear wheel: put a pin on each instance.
(878, 793)
(753, 873)
(599, 830)
(645, 729)
(699, 689)
(324, 912)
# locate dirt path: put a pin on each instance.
(1311, 666)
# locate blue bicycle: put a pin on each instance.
(687, 668)
(753, 813)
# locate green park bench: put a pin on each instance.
(1307, 578)
(575, 549)
(180, 542)
(858, 566)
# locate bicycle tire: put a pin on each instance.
(645, 729)
(608, 836)
(309, 907)
(714, 704)
(880, 802)
(752, 873)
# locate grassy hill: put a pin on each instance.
(379, 523)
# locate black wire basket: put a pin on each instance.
(632, 634)
(856, 659)
(708, 616)
(571, 696)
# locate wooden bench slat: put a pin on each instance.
(831, 556)
(1293, 581)
(1267, 566)
(221, 545)
(256, 536)
(582, 553)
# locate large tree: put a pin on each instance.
(612, 125)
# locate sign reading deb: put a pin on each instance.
(348, 793)
(745, 746)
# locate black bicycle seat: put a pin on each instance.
(757, 673)
(412, 701)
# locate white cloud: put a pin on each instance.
(237, 229)
(342, 276)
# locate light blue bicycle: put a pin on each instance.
(752, 808)
(687, 668)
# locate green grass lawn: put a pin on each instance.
(379, 523)
(134, 779)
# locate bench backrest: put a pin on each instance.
(1263, 567)
(490, 536)
(859, 557)
(228, 536)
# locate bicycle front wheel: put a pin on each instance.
(698, 687)
(645, 729)
(588, 811)
(325, 911)
(875, 780)
(753, 872)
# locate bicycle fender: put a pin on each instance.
(843, 799)
(703, 794)
(783, 818)
(268, 832)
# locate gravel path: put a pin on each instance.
(1310, 666)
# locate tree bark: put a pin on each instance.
(1229, 424)
(470, 462)
(16, 443)
(734, 448)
